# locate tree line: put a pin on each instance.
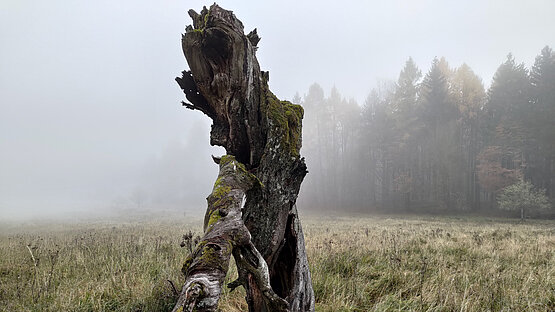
(433, 141)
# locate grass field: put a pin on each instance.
(357, 263)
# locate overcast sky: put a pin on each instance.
(87, 96)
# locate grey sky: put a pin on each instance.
(87, 96)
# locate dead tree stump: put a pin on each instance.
(251, 212)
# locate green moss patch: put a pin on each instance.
(286, 119)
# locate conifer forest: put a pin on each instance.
(435, 140)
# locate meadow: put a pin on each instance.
(360, 263)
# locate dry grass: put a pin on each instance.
(432, 265)
(358, 264)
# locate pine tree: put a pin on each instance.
(404, 103)
(469, 96)
(313, 143)
(541, 121)
(507, 109)
(436, 106)
(438, 113)
(508, 100)
(406, 89)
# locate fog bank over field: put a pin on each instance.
(90, 115)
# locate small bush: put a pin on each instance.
(522, 197)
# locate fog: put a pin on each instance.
(90, 115)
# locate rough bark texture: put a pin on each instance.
(263, 134)
(224, 234)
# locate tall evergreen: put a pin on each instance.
(404, 102)
(508, 99)
(437, 114)
(436, 107)
(469, 96)
(507, 137)
(406, 91)
(541, 121)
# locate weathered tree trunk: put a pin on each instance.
(262, 136)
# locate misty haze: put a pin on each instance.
(428, 136)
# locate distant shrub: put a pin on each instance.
(522, 196)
